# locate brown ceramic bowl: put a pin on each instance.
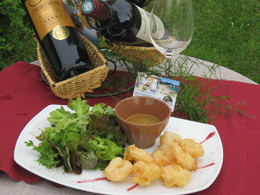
(142, 135)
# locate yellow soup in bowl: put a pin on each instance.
(142, 119)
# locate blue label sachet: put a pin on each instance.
(157, 87)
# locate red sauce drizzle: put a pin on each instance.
(211, 164)
(92, 180)
(209, 136)
(132, 187)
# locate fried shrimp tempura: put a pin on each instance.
(167, 152)
(118, 169)
(160, 158)
(144, 173)
(195, 149)
(135, 154)
(183, 158)
(171, 162)
(174, 175)
(168, 137)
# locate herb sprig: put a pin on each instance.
(197, 99)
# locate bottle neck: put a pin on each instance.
(96, 10)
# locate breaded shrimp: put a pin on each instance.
(160, 158)
(118, 169)
(135, 154)
(144, 173)
(195, 149)
(183, 158)
(168, 137)
(168, 154)
(174, 175)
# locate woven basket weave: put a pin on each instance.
(137, 53)
(76, 86)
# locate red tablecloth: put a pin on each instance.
(23, 94)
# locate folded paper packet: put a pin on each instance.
(157, 87)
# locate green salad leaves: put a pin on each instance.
(84, 139)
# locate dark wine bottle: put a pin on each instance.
(58, 37)
(139, 3)
(120, 21)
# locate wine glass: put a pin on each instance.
(171, 26)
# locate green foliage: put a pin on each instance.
(12, 15)
(14, 32)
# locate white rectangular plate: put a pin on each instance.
(209, 165)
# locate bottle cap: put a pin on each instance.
(96, 10)
(89, 6)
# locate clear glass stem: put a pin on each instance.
(172, 64)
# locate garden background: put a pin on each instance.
(227, 32)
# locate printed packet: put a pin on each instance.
(157, 87)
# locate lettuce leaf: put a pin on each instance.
(48, 157)
(82, 139)
(105, 149)
(79, 106)
(87, 160)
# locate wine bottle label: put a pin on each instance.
(47, 14)
(144, 31)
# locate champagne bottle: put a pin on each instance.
(58, 37)
(121, 21)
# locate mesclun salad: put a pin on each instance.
(86, 139)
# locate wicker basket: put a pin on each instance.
(76, 86)
(136, 53)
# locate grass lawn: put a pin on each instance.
(227, 32)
